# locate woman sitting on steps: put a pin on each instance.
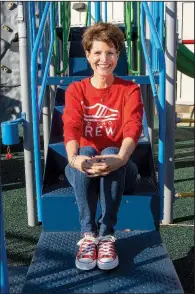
(102, 124)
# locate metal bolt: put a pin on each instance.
(5, 69)
(10, 5)
(8, 29)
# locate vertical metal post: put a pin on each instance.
(89, 13)
(46, 122)
(46, 107)
(97, 11)
(161, 22)
(170, 57)
(52, 88)
(24, 51)
(105, 11)
(146, 89)
(3, 256)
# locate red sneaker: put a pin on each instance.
(86, 258)
(107, 256)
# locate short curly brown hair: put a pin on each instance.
(104, 32)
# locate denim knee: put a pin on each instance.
(110, 150)
(88, 151)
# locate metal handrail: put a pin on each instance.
(38, 101)
(65, 12)
(131, 15)
(159, 99)
(32, 21)
(89, 16)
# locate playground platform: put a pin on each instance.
(41, 259)
(21, 240)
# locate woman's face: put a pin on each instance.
(102, 58)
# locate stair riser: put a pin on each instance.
(141, 213)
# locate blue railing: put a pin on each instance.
(157, 11)
(159, 98)
(37, 102)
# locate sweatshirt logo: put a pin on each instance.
(99, 120)
(102, 113)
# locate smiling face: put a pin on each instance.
(102, 58)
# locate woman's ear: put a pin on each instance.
(87, 54)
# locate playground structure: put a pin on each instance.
(70, 65)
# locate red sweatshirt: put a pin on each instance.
(102, 117)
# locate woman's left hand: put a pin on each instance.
(112, 162)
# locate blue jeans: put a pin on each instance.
(108, 189)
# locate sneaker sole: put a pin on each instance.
(108, 265)
(84, 266)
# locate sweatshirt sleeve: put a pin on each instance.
(72, 115)
(133, 113)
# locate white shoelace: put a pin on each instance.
(87, 247)
(106, 246)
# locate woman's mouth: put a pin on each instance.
(103, 66)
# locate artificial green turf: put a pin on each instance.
(180, 245)
(183, 212)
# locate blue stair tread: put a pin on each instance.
(141, 79)
(17, 276)
(145, 266)
(144, 186)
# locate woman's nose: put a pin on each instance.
(103, 57)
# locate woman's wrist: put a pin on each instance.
(72, 159)
(124, 159)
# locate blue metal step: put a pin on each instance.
(137, 211)
(140, 210)
(17, 276)
(145, 267)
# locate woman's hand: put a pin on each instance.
(102, 165)
(81, 162)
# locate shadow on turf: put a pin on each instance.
(184, 146)
(185, 270)
(25, 246)
(184, 180)
(182, 219)
(183, 163)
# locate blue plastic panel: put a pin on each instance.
(145, 267)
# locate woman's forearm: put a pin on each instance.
(72, 148)
(127, 148)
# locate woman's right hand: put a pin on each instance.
(90, 166)
(82, 163)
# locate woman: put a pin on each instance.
(102, 125)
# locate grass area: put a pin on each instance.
(21, 240)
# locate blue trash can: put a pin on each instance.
(10, 133)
